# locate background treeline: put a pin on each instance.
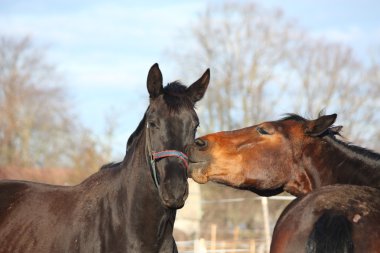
(38, 126)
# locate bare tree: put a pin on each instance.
(37, 126)
(32, 106)
(245, 47)
(372, 79)
(328, 75)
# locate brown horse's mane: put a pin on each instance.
(293, 116)
(331, 134)
(355, 150)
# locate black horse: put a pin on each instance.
(125, 207)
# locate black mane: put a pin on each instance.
(176, 98)
(139, 128)
(110, 165)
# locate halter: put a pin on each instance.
(154, 156)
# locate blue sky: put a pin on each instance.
(103, 49)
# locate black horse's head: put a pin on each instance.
(170, 126)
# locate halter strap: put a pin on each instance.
(162, 154)
(168, 153)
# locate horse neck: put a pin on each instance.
(142, 203)
(334, 162)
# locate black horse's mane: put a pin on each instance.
(332, 132)
(176, 98)
(110, 165)
(136, 132)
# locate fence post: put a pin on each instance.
(224, 246)
(213, 237)
(200, 246)
(252, 246)
(264, 203)
(236, 238)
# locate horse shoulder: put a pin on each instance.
(289, 232)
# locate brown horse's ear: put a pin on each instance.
(154, 81)
(320, 125)
(198, 89)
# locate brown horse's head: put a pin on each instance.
(263, 157)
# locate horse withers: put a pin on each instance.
(292, 154)
(129, 206)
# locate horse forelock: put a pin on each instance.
(294, 117)
(176, 97)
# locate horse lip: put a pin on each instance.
(198, 171)
(176, 205)
(197, 166)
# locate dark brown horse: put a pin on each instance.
(125, 207)
(298, 156)
(335, 218)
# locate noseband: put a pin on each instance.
(154, 156)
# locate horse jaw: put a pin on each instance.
(299, 185)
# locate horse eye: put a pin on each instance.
(262, 131)
(152, 124)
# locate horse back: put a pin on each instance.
(337, 218)
(11, 193)
(46, 218)
(14, 193)
(27, 208)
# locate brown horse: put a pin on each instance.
(295, 155)
(335, 218)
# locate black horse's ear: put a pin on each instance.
(154, 81)
(320, 125)
(198, 89)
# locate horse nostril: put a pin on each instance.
(200, 143)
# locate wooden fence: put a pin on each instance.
(238, 246)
